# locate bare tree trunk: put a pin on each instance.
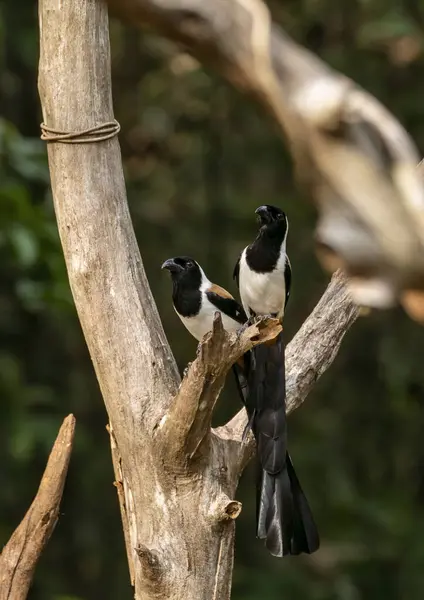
(180, 538)
(176, 478)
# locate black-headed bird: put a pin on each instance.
(263, 275)
(196, 300)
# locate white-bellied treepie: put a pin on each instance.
(196, 300)
(263, 275)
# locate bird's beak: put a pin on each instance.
(262, 215)
(171, 266)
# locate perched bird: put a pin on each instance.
(263, 271)
(196, 299)
(263, 275)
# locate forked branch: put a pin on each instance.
(189, 418)
(21, 553)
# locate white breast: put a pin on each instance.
(263, 293)
(202, 323)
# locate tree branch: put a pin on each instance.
(355, 159)
(188, 421)
(20, 555)
(308, 356)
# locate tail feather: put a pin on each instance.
(264, 493)
(241, 372)
(241, 382)
(275, 513)
(284, 518)
(305, 535)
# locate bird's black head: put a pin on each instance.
(268, 214)
(184, 271)
(263, 254)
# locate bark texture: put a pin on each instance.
(176, 478)
(355, 159)
(20, 555)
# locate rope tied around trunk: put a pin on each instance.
(97, 133)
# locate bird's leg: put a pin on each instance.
(250, 321)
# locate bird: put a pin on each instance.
(196, 299)
(263, 275)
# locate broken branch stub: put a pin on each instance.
(354, 158)
(189, 418)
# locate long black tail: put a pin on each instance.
(284, 518)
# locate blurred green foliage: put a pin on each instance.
(199, 158)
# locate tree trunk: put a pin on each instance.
(175, 477)
(180, 538)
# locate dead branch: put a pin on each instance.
(20, 555)
(355, 159)
(188, 421)
(308, 355)
(316, 345)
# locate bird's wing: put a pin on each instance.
(287, 278)
(226, 303)
(217, 289)
(236, 272)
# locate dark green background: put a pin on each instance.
(198, 159)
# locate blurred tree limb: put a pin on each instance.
(20, 555)
(354, 158)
